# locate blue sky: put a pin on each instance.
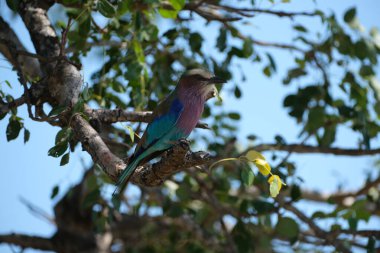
(27, 172)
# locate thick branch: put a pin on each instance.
(307, 149)
(174, 160)
(27, 241)
(41, 31)
(9, 44)
(94, 145)
(119, 115)
(64, 80)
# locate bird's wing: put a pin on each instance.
(165, 118)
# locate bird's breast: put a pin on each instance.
(190, 116)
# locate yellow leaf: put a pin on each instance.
(263, 166)
(253, 155)
(275, 185)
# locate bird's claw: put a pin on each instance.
(185, 144)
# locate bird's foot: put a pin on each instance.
(185, 144)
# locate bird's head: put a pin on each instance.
(201, 82)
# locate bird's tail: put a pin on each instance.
(124, 177)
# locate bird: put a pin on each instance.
(173, 119)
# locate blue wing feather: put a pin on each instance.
(160, 126)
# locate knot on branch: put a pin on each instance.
(178, 158)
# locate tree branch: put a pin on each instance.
(6, 107)
(174, 160)
(10, 43)
(327, 237)
(27, 241)
(119, 115)
(94, 145)
(308, 149)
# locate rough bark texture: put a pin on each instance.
(60, 83)
(9, 44)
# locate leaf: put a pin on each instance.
(237, 92)
(26, 135)
(300, 28)
(63, 135)
(272, 63)
(2, 116)
(234, 115)
(106, 8)
(263, 166)
(275, 185)
(57, 110)
(131, 133)
(349, 15)
(58, 150)
(253, 155)
(8, 83)
(287, 228)
(168, 13)
(195, 41)
(177, 4)
(247, 176)
(13, 4)
(65, 159)
(13, 128)
(371, 244)
(139, 51)
(54, 192)
(221, 40)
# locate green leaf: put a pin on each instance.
(247, 176)
(63, 135)
(13, 4)
(13, 128)
(26, 135)
(65, 159)
(247, 48)
(371, 244)
(2, 116)
(349, 15)
(139, 51)
(57, 110)
(295, 192)
(177, 4)
(234, 115)
(300, 28)
(168, 13)
(328, 136)
(106, 8)
(272, 63)
(366, 71)
(237, 92)
(195, 41)
(287, 228)
(8, 83)
(54, 192)
(58, 150)
(221, 40)
(316, 119)
(131, 133)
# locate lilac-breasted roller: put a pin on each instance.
(173, 119)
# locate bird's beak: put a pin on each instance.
(216, 80)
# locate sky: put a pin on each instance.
(26, 172)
